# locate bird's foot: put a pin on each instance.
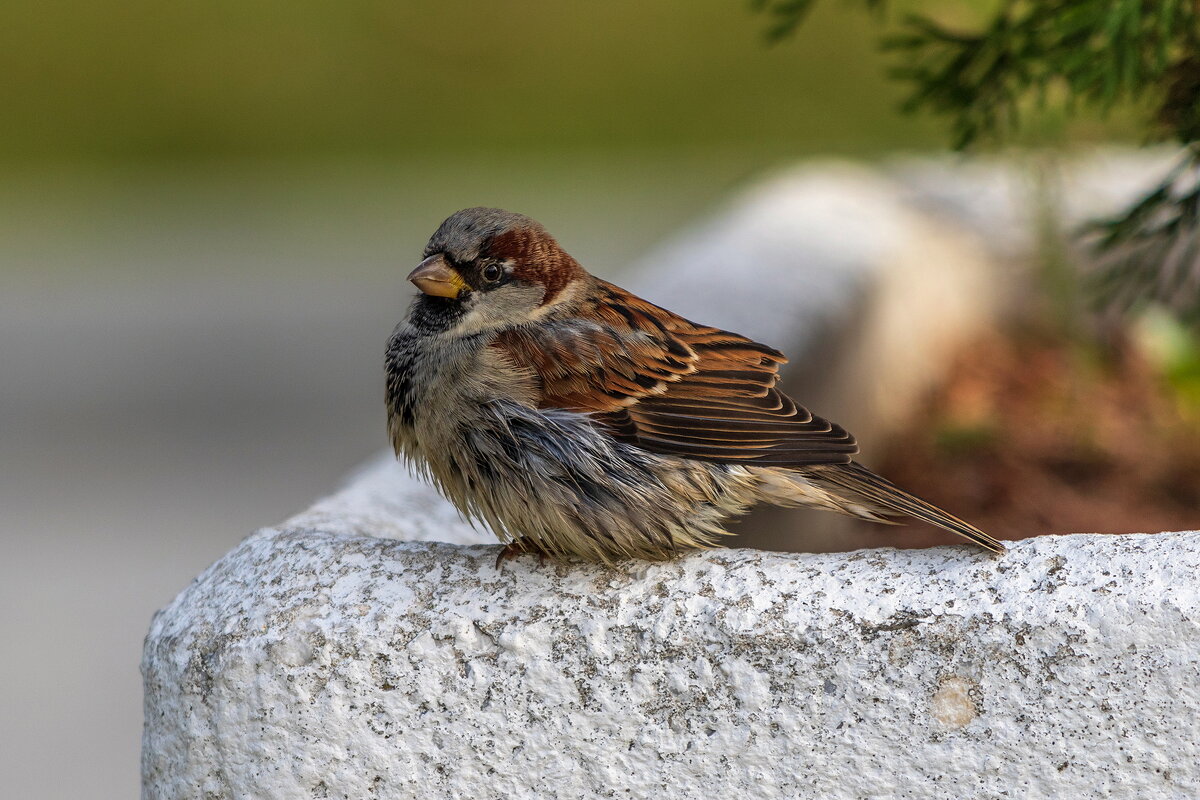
(519, 547)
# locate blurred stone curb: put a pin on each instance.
(368, 648)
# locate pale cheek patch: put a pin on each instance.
(500, 308)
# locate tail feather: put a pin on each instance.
(882, 493)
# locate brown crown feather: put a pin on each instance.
(537, 258)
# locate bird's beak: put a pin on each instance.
(435, 277)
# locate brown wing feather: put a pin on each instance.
(671, 386)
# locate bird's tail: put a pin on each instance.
(884, 496)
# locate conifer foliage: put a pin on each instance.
(1099, 54)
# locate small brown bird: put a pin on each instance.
(577, 419)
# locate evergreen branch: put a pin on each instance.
(1077, 53)
(1099, 52)
(1151, 252)
(787, 15)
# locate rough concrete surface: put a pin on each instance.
(307, 664)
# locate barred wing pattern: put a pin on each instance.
(670, 386)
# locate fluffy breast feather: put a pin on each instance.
(463, 414)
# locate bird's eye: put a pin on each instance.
(492, 273)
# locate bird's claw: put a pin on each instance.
(519, 547)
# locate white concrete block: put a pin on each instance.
(309, 664)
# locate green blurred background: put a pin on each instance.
(206, 213)
(144, 80)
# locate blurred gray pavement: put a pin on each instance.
(143, 436)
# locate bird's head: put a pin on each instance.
(491, 268)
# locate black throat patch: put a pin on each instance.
(431, 315)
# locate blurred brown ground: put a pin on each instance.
(1031, 435)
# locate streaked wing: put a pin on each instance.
(671, 386)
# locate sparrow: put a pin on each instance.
(578, 420)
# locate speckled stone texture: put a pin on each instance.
(307, 664)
